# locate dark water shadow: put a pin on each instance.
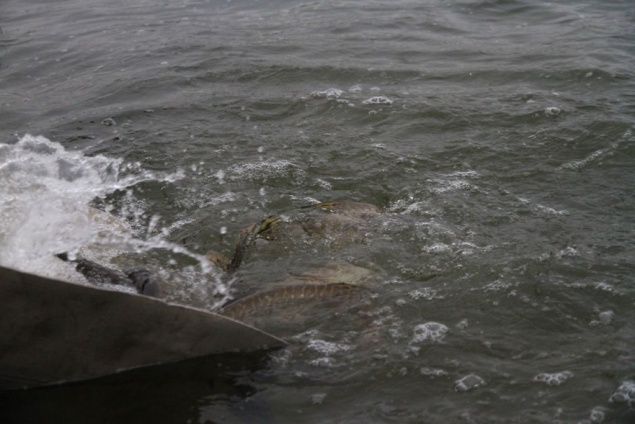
(169, 393)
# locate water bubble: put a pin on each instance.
(355, 89)
(109, 122)
(266, 171)
(554, 379)
(603, 286)
(606, 317)
(424, 293)
(597, 415)
(153, 223)
(377, 100)
(327, 348)
(220, 174)
(331, 93)
(323, 184)
(552, 111)
(318, 398)
(436, 248)
(322, 362)
(462, 325)
(400, 302)
(624, 394)
(432, 332)
(432, 372)
(469, 382)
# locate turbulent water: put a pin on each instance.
(497, 137)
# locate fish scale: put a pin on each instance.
(278, 296)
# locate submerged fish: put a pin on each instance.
(270, 299)
(292, 304)
(336, 221)
(288, 309)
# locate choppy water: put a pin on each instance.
(497, 137)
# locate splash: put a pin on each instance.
(45, 193)
(44, 197)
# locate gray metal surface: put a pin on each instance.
(53, 331)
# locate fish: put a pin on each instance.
(286, 296)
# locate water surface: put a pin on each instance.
(496, 136)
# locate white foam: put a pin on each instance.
(432, 372)
(324, 184)
(465, 174)
(45, 191)
(624, 394)
(327, 348)
(377, 100)
(606, 317)
(452, 185)
(597, 415)
(330, 93)
(469, 382)
(265, 171)
(436, 248)
(553, 111)
(325, 362)
(462, 325)
(426, 293)
(593, 157)
(44, 197)
(432, 332)
(553, 379)
(318, 398)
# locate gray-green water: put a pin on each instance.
(497, 137)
